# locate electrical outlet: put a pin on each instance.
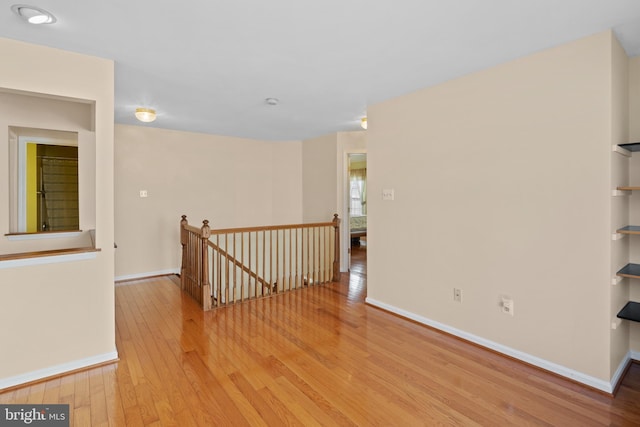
(457, 295)
(388, 194)
(143, 193)
(507, 306)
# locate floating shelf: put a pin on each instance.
(629, 229)
(633, 146)
(630, 270)
(628, 188)
(631, 311)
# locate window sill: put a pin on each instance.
(44, 235)
(47, 257)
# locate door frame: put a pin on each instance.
(346, 203)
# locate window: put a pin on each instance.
(358, 192)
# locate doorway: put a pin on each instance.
(357, 210)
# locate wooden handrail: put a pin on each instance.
(291, 256)
(270, 227)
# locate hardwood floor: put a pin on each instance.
(316, 356)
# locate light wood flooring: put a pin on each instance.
(316, 356)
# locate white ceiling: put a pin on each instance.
(208, 65)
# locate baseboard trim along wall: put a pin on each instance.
(147, 274)
(588, 380)
(58, 370)
(617, 376)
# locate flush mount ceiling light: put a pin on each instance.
(363, 122)
(146, 115)
(272, 101)
(33, 15)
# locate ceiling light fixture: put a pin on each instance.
(33, 15)
(146, 115)
(272, 101)
(363, 122)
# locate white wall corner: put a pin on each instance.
(622, 367)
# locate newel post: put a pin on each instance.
(336, 249)
(205, 233)
(184, 240)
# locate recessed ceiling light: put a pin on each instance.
(146, 115)
(33, 15)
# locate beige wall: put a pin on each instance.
(634, 99)
(232, 182)
(501, 183)
(61, 315)
(319, 178)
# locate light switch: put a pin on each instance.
(388, 194)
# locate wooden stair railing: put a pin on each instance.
(238, 264)
(254, 262)
(194, 272)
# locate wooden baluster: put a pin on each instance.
(313, 257)
(309, 258)
(309, 273)
(192, 263)
(319, 267)
(197, 251)
(336, 249)
(184, 240)
(242, 272)
(193, 246)
(255, 283)
(206, 287)
(327, 232)
(290, 265)
(264, 264)
(218, 287)
(297, 276)
(250, 268)
(323, 249)
(325, 256)
(225, 271)
(320, 273)
(235, 270)
(275, 284)
(234, 288)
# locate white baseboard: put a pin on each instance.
(516, 354)
(147, 274)
(58, 369)
(617, 376)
